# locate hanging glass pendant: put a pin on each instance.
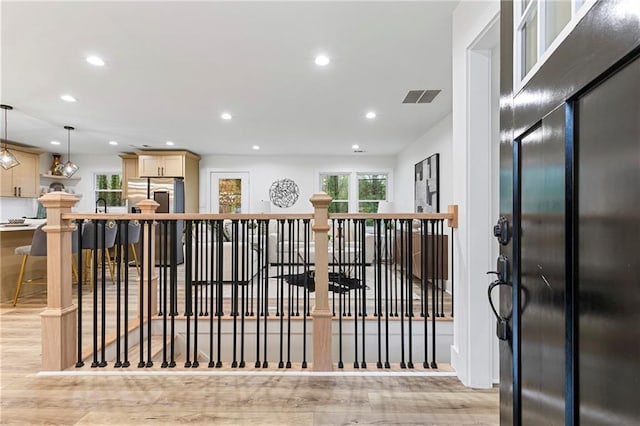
(7, 159)
(69, 168)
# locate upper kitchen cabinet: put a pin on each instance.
(166, 163)
(129, 170)
(24, 179)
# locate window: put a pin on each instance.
(372, 188)
(539, 26)
(337, 186)
(355, 191)
(108, 186)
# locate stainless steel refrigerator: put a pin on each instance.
(169, 193)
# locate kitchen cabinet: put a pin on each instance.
(161, 165)
(22, 180)
(129, 170)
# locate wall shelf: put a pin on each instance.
(59, 178)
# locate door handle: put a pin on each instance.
(503, 330)
(159, 171)
(19, 191)
(15, 191)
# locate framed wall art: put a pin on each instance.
(427, 185)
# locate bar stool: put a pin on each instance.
(110, 232)
(133, 236)
(38, 248)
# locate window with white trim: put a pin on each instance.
(337, 186)
(108, 186)
(539, 26)
(372, 188)
(355, 191)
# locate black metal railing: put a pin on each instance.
(238, 290)
(388, 280)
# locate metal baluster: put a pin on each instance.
(103, 304)
(173, 290)
(188, 283)
(363, 274)
(118, 362)
(79, 226)
(126, 362)
(387, 286)
(424, 230)
(220, 289)
(143, 259)
(289, 289)
(261, 272)
(165, 305)
(305, 292)
(403, 257)
(149, 294)
(378, 283)
(234, 288)
(433, 300)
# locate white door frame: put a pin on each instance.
(215, 176)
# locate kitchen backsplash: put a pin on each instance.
(17, 207)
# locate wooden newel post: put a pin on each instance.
(150, 290)
(322, 333)
(59, 318)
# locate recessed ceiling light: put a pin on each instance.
(95, 61)
(113, 143)
(68, 98)
(169, 143)
(355, 146)
(225, 116)
(322, 60)
(255, 147)
(371, 115)
(55, 143)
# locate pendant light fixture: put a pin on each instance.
(69, 168)
(7, 159)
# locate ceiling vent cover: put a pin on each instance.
(420, 96)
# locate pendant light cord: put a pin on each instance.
(5, 129)
(68, 144)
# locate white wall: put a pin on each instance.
(436, 140)
(472, 354)
(264, 170)
(89, 165)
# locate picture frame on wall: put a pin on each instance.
(427, 185)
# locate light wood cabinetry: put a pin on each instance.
(129, 170)
(172, 164)
(164, 165)
(24, 179)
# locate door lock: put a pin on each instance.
(502, 231)
(502, 269)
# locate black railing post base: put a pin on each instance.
(379, 364)
(433, 364)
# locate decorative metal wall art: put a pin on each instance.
(284, 193)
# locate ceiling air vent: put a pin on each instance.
(420, 96)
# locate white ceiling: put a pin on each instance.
(174, 67)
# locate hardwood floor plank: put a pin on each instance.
(28, 398)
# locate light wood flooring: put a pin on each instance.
(29, 398)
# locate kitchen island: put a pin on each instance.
(12, 236)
